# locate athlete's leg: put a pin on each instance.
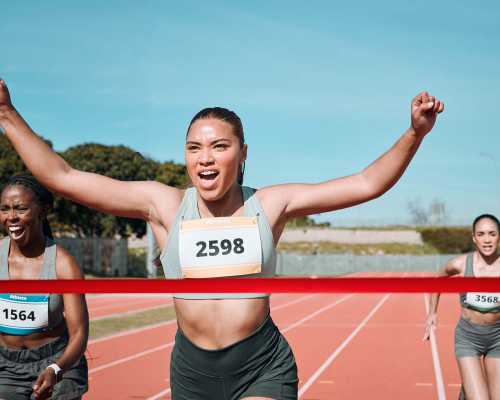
(473, 378)
(492, 366)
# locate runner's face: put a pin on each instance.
(213, 156)
(486, 237)
(20, 214)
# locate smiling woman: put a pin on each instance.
(42, 337)
(227, 346)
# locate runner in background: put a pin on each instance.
(227, 346)
(477, 335)
(42, 337)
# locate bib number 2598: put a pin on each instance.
(224, 247)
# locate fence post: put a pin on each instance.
(150, 266)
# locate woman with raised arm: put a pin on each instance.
(227, 346)
(477, 335)
(42, 337)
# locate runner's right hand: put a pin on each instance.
(430, 323)
(4, 95)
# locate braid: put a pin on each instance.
(42, 195)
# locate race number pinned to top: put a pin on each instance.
(483, 301)
(22, 314)
(218, 247)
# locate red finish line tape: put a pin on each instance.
(255, 285)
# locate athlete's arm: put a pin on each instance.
(127, 199)
(451, 268)
(77, 322)
(373, 181)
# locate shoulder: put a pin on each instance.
(66, 265)
(456, 265)
(275, 194)
(165, 203)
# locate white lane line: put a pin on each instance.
(291, 303)
(132, 331)
(339, 349)
(314, 314)
(131, 312)
(435, 357)
(159, 395)
(290, 327)
(129, 358)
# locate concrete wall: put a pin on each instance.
(351, 236)
(341, 264)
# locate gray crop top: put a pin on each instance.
(188, 210)
(56, 306)
(469, 272)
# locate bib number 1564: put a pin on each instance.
(14, 315)
(224, 247)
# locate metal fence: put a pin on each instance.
(104, 257)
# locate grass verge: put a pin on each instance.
(325, 247)
(109, 326)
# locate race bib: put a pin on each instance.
(217, 247)
(485, 301)
(22, 314)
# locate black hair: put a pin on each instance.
(43, 197)
(483, 216)
(223, 114)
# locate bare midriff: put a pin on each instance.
(480, 318)
(33, 340)
(215, 324)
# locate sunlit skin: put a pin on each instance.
(480, 376)
(212, 146)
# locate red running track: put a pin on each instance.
(350, 346)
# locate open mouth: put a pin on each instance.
(208, 175)
(16, 232)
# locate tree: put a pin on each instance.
(306, 222)
(172, 174)
(434, 214)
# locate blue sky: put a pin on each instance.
(323, 88)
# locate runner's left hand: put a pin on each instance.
(42, 389)
(424, 111)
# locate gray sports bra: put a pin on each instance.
(469, 273)
(188, 210)
(56, 306)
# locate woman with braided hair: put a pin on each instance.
(42, 337)
(227, 346)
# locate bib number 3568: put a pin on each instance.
(216, 247)
(486, 299)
